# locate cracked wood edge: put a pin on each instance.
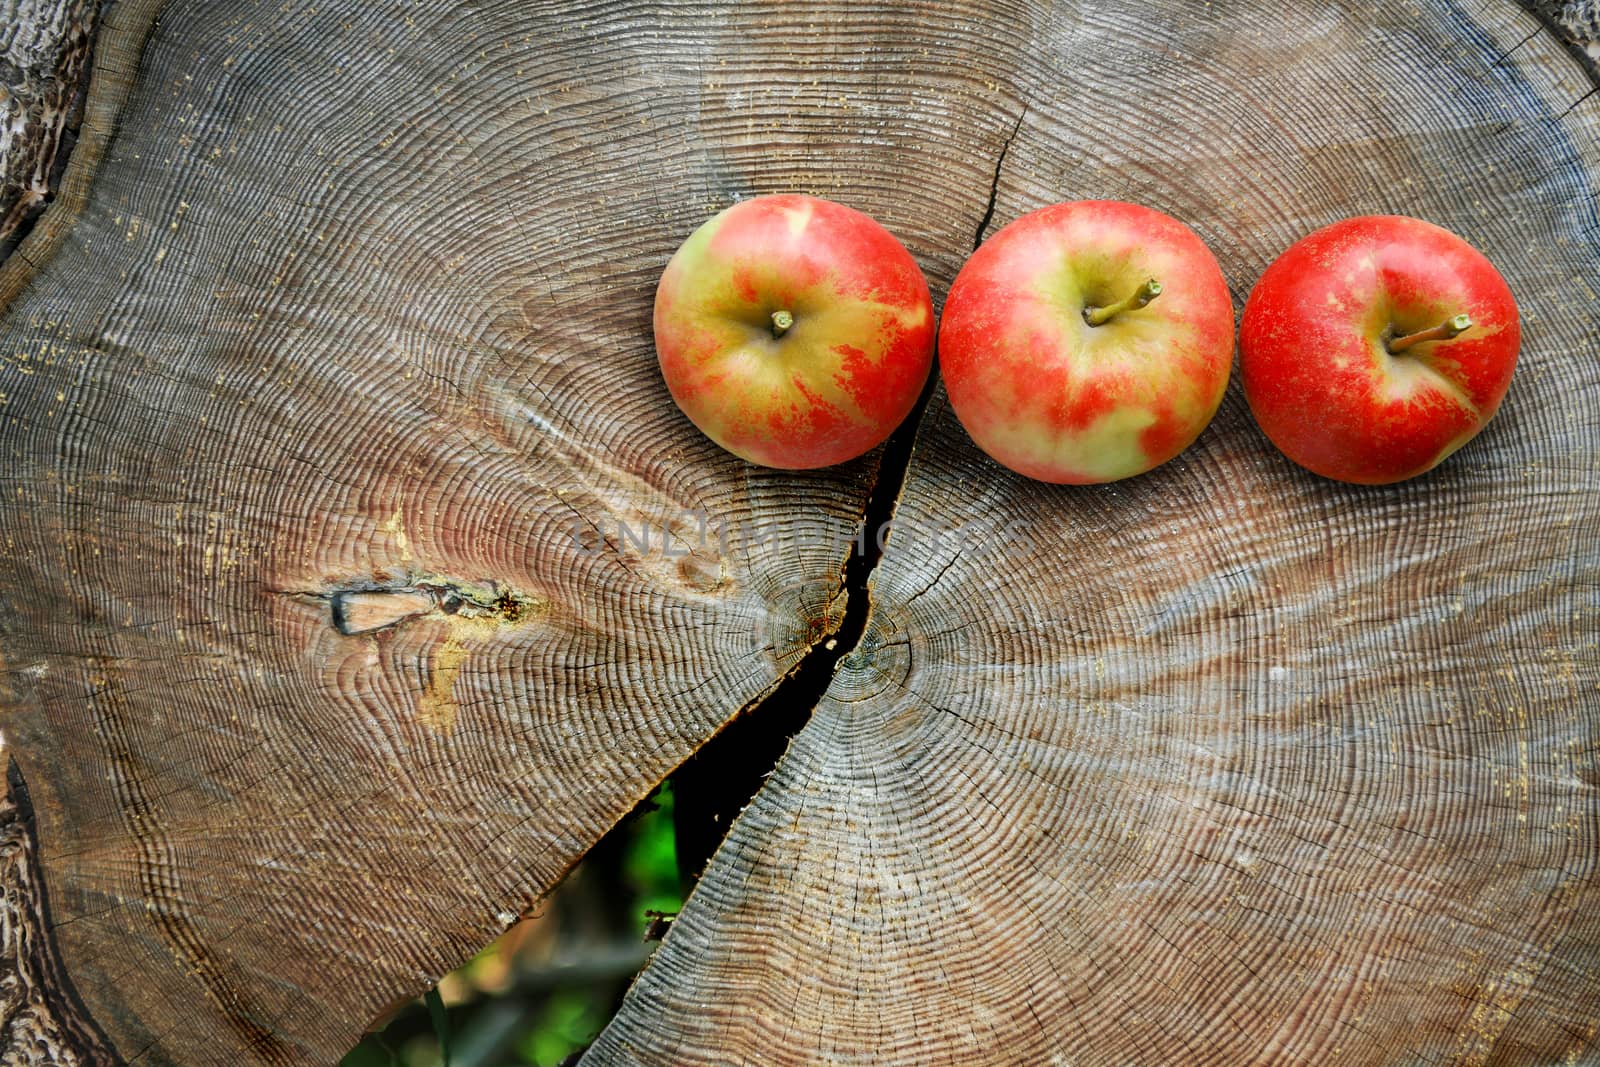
(1575, 22)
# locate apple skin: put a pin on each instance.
(830, 387)
(1056, 399)
(1313, 348)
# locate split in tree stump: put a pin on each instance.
(341, 609)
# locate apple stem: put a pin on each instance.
(1143, 295)
(1442, 332)
(781, 321)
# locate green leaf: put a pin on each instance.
(441, 1025)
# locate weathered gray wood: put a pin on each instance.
(1224, 764)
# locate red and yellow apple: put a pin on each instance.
(1374, 348)
(1087, 341)
(793, 331)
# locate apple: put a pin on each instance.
(1374, 348)
(793, 331)
(1087, 341)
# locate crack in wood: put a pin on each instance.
(994, 184)
(712, 786)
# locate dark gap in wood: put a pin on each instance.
(722, 778)
(712, 786)
(994, 183)
(593, 904)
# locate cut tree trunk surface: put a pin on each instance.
(333, 429)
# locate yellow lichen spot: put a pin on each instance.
(438, 708)
(395, 528)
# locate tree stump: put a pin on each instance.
(356, 576)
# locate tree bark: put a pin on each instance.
(42, 1024)
(1575, 21)
(342, 605)
(44, 51)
